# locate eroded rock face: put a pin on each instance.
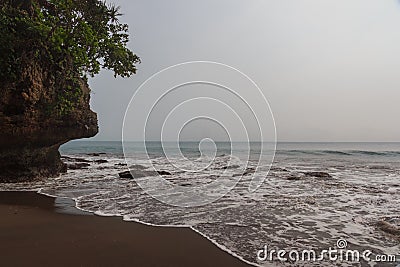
(31, 130)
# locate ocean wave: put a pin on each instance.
(339, 152)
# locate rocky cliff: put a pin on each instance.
(33, 123)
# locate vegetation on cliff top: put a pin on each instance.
(71, 38)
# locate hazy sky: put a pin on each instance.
(330, 69)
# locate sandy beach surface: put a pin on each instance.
(34, 233)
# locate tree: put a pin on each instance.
(88, 32)
(73, 39)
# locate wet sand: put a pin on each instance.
(33, 233)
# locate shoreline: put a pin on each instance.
(75, 210)
(32, 227)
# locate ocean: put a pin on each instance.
(314, 194)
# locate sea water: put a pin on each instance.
(289, 211)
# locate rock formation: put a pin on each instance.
(32, 128)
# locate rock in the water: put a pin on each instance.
(96, 154)
(74, 159)
(141, 173)
(80, 160)
(318, 174)
(388, 228)
(78, 166)
(163, 173)
(101, 161)
(125, 174)
(294, 178)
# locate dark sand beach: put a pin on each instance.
(33, 233)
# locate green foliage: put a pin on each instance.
(75, 38)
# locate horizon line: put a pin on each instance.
(221, 141)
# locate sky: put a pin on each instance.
(329, 69)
